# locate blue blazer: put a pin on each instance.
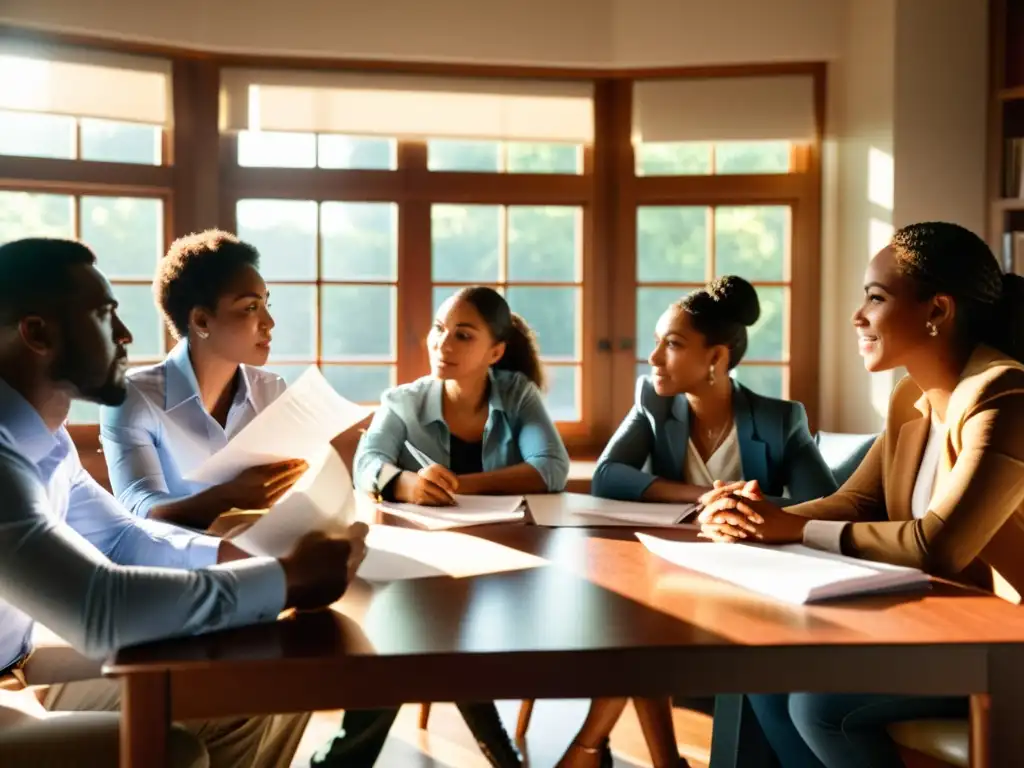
(776, 447)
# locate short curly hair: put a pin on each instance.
(195, 273)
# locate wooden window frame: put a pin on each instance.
(201, 182)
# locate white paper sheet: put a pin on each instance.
(794, 574)
(468, 510)
(569, 510)
(322, 500)
(407, 553)
(298, 425)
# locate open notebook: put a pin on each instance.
(792, 573)
(468, 510)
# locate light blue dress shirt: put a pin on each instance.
(162, 432)
(518, 429)
(64, 542)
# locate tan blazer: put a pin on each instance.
(974, 529)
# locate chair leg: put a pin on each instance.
(978, 733)
(424, 716)
(525, 713)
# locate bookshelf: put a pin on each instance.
(1006, 140)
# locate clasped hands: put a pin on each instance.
(739, 512)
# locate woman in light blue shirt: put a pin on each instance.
(181, 411)
(480, 418)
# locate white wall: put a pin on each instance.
(600, 33)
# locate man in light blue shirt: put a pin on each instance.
(72, 558)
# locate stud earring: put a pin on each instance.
(932, 330)
(203, 334)
(711, 375)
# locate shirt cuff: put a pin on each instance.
(202, 552)
(825, 535)
(261, 589)
(388, 472)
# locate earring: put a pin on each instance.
(711, 375)
(933, 331)
(202, 334)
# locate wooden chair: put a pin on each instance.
(945, 743)
(525, 712)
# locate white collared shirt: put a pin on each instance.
(163, 432)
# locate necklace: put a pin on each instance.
(718, 440)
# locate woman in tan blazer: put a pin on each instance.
(942, 489)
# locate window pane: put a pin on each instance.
(356, 152)
(294, 311)
(359, 241)
(127, 234)
(465, 243)
(121, 142)
(766, 336)
(24, 214)
(267, 149)
(284, 231)
(138, 311)
(543, 243)
(32, 135)
(360, 383)
(766, 380)
(543, 158)
(551, 312)
(673, 159)
(358, 321)
(651, 304)
(752, 157)
(561, 398)
(752, 241)
(445, 155)
(671, 244)
(642, 369)
(84, 413)
(288, 372)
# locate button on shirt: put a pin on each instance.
(163, 432)
(64, 540)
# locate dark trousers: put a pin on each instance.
(846, 730)
(363, 733)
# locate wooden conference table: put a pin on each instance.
(604, 618)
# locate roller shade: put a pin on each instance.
(85, 83)
(725, 109)
(407, 106)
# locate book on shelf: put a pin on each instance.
(1013, 252)
(1013, 163)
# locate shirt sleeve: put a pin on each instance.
(128, 434)
(54, 574)
(826, 535)
(540, 445)
(376, 459)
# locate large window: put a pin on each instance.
(589, 204)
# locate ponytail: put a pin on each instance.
(521, 352)
(1005, 329)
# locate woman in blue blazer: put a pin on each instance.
(692, 425)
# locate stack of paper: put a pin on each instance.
(298, 425)
(468, 510)
(794, 573)
(559, 510)
(406, 553)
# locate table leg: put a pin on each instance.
(1006, 706)
(145, 718)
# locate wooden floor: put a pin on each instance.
(447, 742)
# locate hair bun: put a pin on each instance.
(737, 298)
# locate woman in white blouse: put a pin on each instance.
(941, 490)
(695, 425)
(181, 411)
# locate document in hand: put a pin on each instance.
(569, 510)
(298, 425)
(406, 553)
(322, 500)
(793, 573)
(468, 510)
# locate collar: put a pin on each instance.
(28, 431)
(433, 409)
(182, 385)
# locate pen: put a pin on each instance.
(424, 461)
